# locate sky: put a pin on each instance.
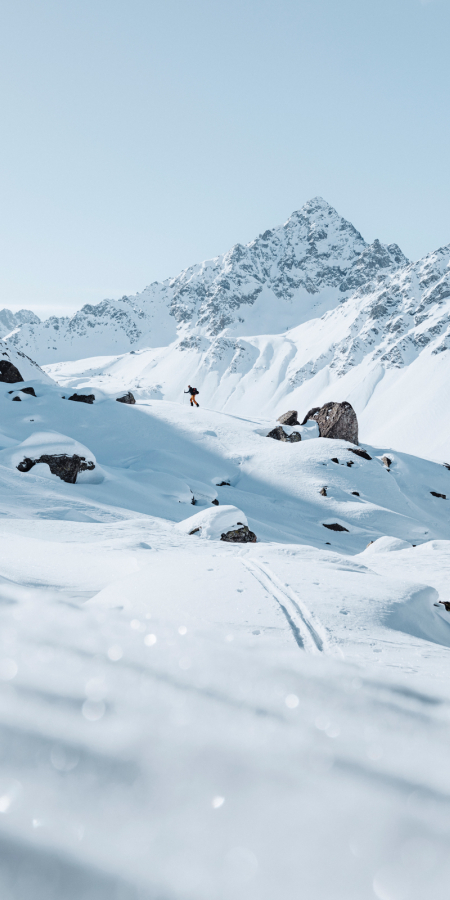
(142, 136)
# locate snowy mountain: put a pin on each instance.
(10, 320)
(383, 349)
(283, 278)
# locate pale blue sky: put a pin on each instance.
(140, 136)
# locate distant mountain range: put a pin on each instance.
(306, 313)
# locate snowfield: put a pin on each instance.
(187, 719)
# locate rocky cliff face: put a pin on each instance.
(286, 276)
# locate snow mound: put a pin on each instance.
(386, 544)
(50, 443)
(212, 523)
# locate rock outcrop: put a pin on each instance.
(335, 420)
(289, 418)
(83, 398)
(334, 526)
(279, 434)
(65, 467)
(240, 536)
(8, 372)
(127, 398)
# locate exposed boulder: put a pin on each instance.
(239, 536)
(83, 398)
(289, 418)
(323, 492)
(279, 434)
(435, 494)
(386, 461)
(17, 398)
(359, 452)
(65, 467)
(334, 526)
(27, 390)
(335, 420)
(8, 372)
(127, 398)
(226, 523)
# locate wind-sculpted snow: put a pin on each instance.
(284, 277)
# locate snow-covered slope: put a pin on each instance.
(385, 349)
(26, 367)
(187, 719)
(283, 278)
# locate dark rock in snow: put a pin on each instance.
(8, 372)
(289, 418)
(386, 461)
(27, 390)
(193, 501)
(435, 494)
(239, 536)
(215, 502)
(127, 398)
(83, 398)
(446, 466)
(223, 484)
(310, 415)
(335, 460)
(335, 420)
(350, 463)
(279, 434)
(359, 452)
(194, 531)
(65, 467)
(446, 604)
(355, 493)
(17, 398)
(334, 527)
(323, 492)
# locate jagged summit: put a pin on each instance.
(286, 276)
(10, 320)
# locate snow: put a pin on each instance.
(182, 717)
(210, 524)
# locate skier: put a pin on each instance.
(192, 391)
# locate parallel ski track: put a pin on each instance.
(308, 631)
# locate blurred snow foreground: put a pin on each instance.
(184, 718)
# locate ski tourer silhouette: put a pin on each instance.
(192, 391)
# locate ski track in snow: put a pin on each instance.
(308, 632)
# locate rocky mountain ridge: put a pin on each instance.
(284, 277)
(10, 320)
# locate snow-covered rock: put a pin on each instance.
(48, 453)
(210, 524)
